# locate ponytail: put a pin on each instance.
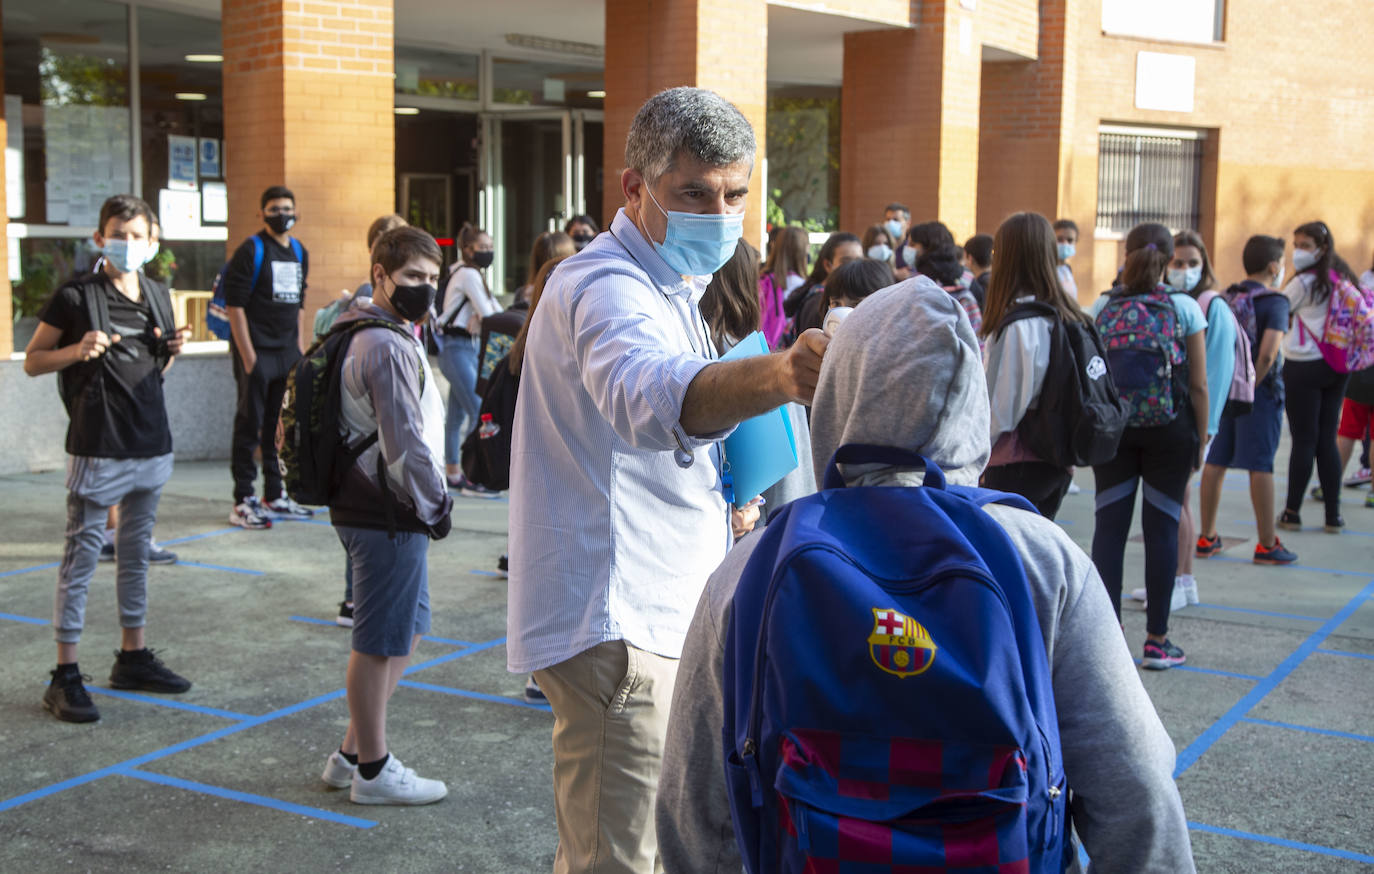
(1149, 249)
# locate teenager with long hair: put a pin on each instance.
(1017, 355)
(783, 273)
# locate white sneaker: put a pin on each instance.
(250, 513)
(338, 772)
(286, 508)
(1188, 583)
(1074, 489)
(1177, 600)
(396, 784)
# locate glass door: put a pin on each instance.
(536, 169)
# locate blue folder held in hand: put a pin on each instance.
(762, 450)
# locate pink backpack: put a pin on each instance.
(1241, 398)
(1347, 340)
(773, 321)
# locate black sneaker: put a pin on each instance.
(503, 565)
(1289, 521)
(1334, 526)
(345, 617)
(1162, 656)
(145, 672)
(67, 699)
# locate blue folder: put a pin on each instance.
(762, 450)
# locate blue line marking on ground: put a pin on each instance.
(27, 570)
(1309, 729)
(1280, 842)
(1190, 754)
(190, 537)
(169, 702)
(477, 573)
(246, 797)
(314, 620)
(1261, 612)
(1297, 567)
(480, 696)
(1196, 670)
(219, 567)
(1349, 655)
(462, 653)
(31, 620)
(38, 794)
(304, 521)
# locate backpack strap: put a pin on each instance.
(864, 453)
(97, 307)
(1026, 310)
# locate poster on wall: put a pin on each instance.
(179, 212)
(86, 152)
(181, 163)
(214, 202)
(209, 159)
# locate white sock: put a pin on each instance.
(110, 535)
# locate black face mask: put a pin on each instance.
(580, 240)
(280, 223)
(412, 302)
(483, 259)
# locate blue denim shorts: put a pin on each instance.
(390, 588)
(1249, 442)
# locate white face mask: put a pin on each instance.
(910, 255)
(1278, 277)
(880, 252)
(1184, 280)
(1303, 259)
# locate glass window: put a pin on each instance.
(804, 157)
(546, 83)
(1148, 178)
(67, 107)
(432, 73)
(1177, 20)
(182, 133)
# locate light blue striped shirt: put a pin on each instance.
(616, 516)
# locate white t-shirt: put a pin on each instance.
(466, 300)
(1299, 344)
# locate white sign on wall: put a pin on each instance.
(1166, 82)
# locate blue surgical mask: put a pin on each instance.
(880, 252)
(697, 244)
(1184, 280)
(1066, 251)
(894, 228)
(126, 255)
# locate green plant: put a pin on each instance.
(163, 267)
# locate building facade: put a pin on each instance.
(1232, 119)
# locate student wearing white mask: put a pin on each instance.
(896, 218)
(1066, 242)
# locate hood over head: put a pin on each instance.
(904, 370)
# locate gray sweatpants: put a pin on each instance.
(93, 486)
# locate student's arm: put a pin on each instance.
(300, 327)
(1197, 387)
(43, 355)
(243, 340)
(1016, 363)
(391, 375)
(1268, 354)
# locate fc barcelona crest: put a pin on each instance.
(899, 644)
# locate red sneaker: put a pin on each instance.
(1208, 546)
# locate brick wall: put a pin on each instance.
(1286, 97)
(656, 44)
(308, 99)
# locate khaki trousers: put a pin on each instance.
(610, 706)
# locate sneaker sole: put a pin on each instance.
(1158, 664)
(1289, 526)
(149, 687)
(162, 560)
(471, 494)
(343, 623)
(234, 520)
(397, 802)
(1273, 561)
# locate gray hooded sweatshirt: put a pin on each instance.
(904, 370)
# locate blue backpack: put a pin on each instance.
(888, 700)
(217, 314)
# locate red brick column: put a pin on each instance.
(656, 44)
(308, 100)
(909, 104)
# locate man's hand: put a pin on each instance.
(799, 368)
(176, 341)
(95, 344)
(743, 521)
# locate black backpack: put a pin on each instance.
(71, 381)
(313, 453)
(1078, 419)
(486, 451)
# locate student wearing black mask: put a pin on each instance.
(582, 229)
(264, 294)
(390, 502)
(466, 301)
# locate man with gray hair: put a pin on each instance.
(619, 489)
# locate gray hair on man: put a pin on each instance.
(696, 121)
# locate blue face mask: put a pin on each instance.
(697, 244)
(1066, 251)
(894, 228)
(127, 256)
